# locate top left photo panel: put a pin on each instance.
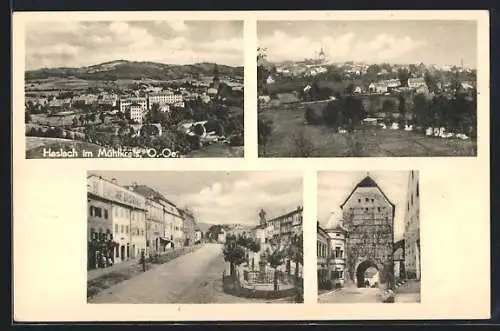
(134, 89)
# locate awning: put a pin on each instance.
(165, 240)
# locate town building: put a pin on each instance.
(378, 87)
(165, 224)
(337, 245)
(221, 237)
(368, 216)
(164, 98)
(399, 259)
(322, 256)
(198, 236)
(136, 113)
(412, 227)
(125, 104)
(118, 208)
(188, 226)
(414, 83)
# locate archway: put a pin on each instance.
(361, 279)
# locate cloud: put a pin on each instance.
(54, 44)
(241, 199)
(346, 47)
(179, 26)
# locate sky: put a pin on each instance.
(443, 42)
(335, 187)
(80, 43)
(222, 197)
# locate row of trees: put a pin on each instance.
(458, 113)
(236, 253)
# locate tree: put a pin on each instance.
(234, 254)
(350, 88)
(296, 252)
(403, 76)
(354, 110)
(431, 82)
(402, 106)
(388, 106)
(102, 117)
(275, 259)
(422, 110)
(264, 130)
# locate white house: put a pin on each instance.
(270, 80)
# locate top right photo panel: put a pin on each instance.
(367, 88)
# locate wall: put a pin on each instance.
(121, 231)
(368, 217)
(337, 262)
(96, 222)
(138, 233)
(412, 227)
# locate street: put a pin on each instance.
(409, 293)
(351, 294)
(193, 278)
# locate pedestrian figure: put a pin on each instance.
(143, 260)
(275, 281)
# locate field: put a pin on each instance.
(217, 150)
(292, 137)
(36, 145)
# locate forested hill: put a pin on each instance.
(122, 69)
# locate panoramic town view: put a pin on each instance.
(134, 89)
(367, 88)
(194, 237)
(368, 245)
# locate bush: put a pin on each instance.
(313, 115)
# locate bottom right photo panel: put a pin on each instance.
(368, 237)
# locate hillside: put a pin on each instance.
(122, 69)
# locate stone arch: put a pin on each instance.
(361, 269)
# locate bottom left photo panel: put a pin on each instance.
(194, 237)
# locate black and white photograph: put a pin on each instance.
(367, 88)
(134, 89)
(194, 237)
(368, 237)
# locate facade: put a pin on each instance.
(188, 226)
(369, 221)
(165, 222)
(136, 112)
(138, 233)
(322, 255)
(399, 259)
(412, 227)
(221, 237)
(337, 238)
(117, 208)
(416, 82)
(378, 87)
(154, 225)
(197, 236)
(284, 226)
(330, 252)
(125, 104)
(164, 98)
